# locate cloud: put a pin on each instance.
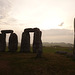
(4, 8)
(5, 17)
(58, 35)
(57, 32)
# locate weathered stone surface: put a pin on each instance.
(2, 43)
(3, 39)
(61, 52)
(37, 43)
(74, 40)
(7, 31)
(13, 42)
(25, 42)
(29, 30)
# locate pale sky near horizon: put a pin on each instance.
(44, 14)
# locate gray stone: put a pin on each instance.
(37, 42)
(7, 31)
(74, 40)
(61, 52)
(2, 43)
(29, 30)
(3, 38)
(25, 42)
(13, 42)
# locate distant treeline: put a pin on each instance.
(62, 44)
(58, 44)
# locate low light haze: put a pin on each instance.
(55, 18)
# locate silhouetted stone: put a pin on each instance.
(25, 42)
(7, 31)
(61, 52)
(13, 42)
(2, 43)
(29, 30)
(4, 38)
(37, 43)
(74, 40)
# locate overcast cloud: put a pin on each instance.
(58, 35)
(4, 8)
(57, 15)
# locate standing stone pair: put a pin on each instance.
(25, 41)
(13, 41)
(37, 43)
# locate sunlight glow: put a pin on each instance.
(52, 23)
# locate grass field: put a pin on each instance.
(26, 64)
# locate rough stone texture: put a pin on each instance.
(13, 42)
(2, 43)
(7, 31)
(25, 42)
(3, 39)
(29, 30)
(37, 43)
(74, 40)
(61, 52)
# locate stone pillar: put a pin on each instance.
(13, 43)
(74, 40)
(2, 43)
(4, 38)
(25, 42)
(37, 43)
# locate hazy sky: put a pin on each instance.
(44, 14)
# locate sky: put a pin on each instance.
(44, 14)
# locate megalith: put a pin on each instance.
(2, 43)
(74, 40)
(37, 43)
(13, 43)
(25, 42)
(3, 39)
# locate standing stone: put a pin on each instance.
(2, 43)
(37, 43)
(35, 40)
(4, 38)
(74, 40)
(13, 42)
(25, 42)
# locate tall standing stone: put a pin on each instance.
(2, 43)
(4, 38)
(37, 43)
(13, 42)
(25, 42)
(74, 39)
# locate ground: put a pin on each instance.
(27, 64)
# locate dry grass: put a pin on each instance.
(27, 64)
